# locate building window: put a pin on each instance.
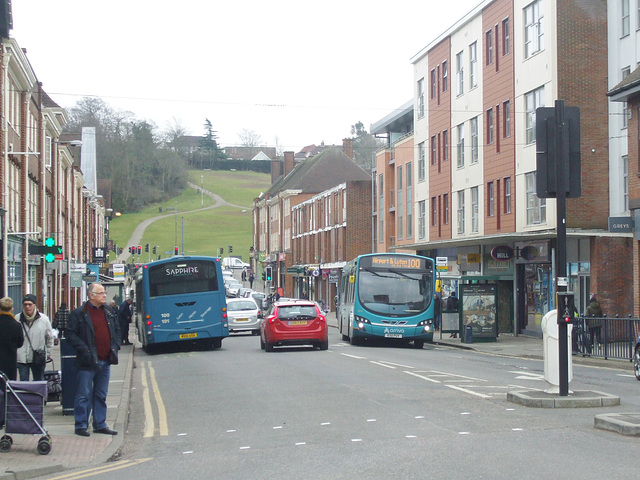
(461, 212)
(445, 200)
(421, 160)
(489, 46)
(474, 140)
(473, 64)
(625, 181)
(409, 200)
(445, 146)
(505, 37)
(460, 74)
(625, 107)
(490, 199)
(460, 145)
(533, 29)
(445, 77)
(421, 220)
(507, 194)
(434, 151)
(536, 207)
(421, 98)
(433, 83)
(533, 100)
(475, 210)
(506, 118)
(490, 126)
(434, 212)
(625, 18)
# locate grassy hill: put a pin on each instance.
(203, 232)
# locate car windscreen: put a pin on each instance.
(237, 306)
(286, 312)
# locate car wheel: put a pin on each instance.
(324, 345)
(636, 363)
(268, 347)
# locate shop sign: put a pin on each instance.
(620, 224)
(502, 253)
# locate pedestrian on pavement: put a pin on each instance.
(452, 307)
(243, 275)
(251, 279)
(61, 318)
(437, 311)
(124, 318)
(595, 324)
(93, 331)
(11, 338)
(38, 335)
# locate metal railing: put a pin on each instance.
(605, 337)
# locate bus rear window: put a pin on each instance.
(183, 277)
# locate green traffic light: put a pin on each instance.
(49, 257)
(49, 242)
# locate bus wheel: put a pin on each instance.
(418, 344)
(216, 342)
(353, 340)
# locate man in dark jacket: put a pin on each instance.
(11, 338)
(595, 325)
(124, 318)
(94, 333)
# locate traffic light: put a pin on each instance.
(49, 242)
(155, 249)
(146, 248)
(565, 308)
(119, 250)
(269, 274)
(221, 251)
(263, 276)
(230, 249)
(139, 249)
(175, 251)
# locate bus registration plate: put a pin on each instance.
(392, 335)
(188, 335)
(297, 322)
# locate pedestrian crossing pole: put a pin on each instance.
(558, 176)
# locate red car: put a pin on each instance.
(294, 322)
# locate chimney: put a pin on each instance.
(288, 162)
(347, 147)
(276, 170)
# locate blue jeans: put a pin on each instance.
(91, 396)
(36, 370)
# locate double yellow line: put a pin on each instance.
(150, 426)
(112, 467)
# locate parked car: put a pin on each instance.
(233, 288)
(243, 315)
(294, 322)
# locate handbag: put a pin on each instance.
(39, 358)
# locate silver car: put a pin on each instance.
(243, 315)
(233, 288)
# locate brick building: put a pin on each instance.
(315, 215)
(477, 87)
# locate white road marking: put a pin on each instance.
(528, 375)
(382, 365)
(354, 356)
(470, 392)
(422, 377)
(396, 364)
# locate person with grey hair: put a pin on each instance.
(11, 338)
(94, 333)
(38, 340)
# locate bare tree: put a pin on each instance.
(173, 135)
(249, 138)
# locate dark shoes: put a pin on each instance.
(106, 431)
(83, 432)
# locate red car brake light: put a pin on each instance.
(272, 319)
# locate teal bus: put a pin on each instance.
(181, 299)
(387, 296)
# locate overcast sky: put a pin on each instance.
(301, 72)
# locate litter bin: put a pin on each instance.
(69, 376)
(467, 335)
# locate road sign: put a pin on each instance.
(441, 261)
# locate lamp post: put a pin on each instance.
(201, 191)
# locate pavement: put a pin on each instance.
(69, 451)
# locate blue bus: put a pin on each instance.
(387, 295)
(181, 299)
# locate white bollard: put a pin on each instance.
(551, 354)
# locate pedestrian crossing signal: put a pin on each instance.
(565, 308)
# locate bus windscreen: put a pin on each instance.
(183, 277)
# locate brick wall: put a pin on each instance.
(358, 234)
(611, 274)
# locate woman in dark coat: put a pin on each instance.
(11, 338)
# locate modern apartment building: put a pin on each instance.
(476, 91)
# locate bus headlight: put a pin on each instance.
(427, 324)
(361, 321)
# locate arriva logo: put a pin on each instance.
(393, 330)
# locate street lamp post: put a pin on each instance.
(201, 191)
